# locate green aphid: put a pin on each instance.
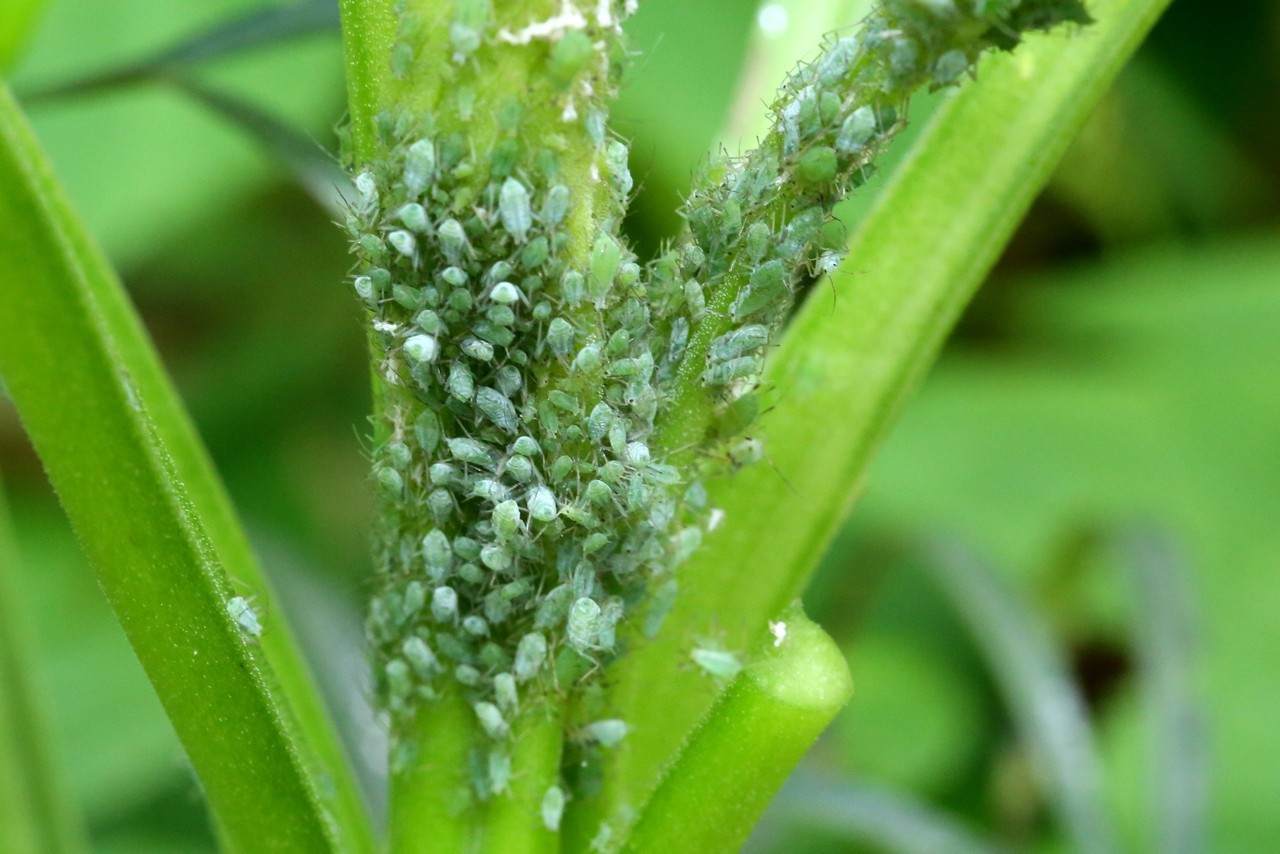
(391, 481)
(722, 373)
(555, 207)
(481, 351)
(531, 655)
(606, 255)
(817, 165)
(738, 341)
(472, 451)
(569, 55)
(498, 408)
(461, 385)
(560, 337)
(856, 130)
(514, 209)
(766, 285)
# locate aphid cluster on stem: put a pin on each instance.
(547, 407)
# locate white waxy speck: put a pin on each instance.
(714, 518)
(246, 619)
(773, 20)
(779, 632)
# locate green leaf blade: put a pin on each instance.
(159, 532)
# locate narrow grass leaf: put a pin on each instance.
(1167, 648)
(863, 813)
(158, 529)
(1032, 674)
(315, 170)
(262, 27)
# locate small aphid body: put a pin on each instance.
(856, 130)
(583, 624)
(717, 663)
(556, 205)
(531, 654)
(419, 166)
(606, 733)
(766, 284)
(560, 336)
(461, 384)
(735, 343)
(498, 408)
(471, 451)
(444, 604)
(414, 217)
(491, 720)
(506, 519)
(541, 503)
(514, 209)
(243, 615)
(722, 373)
(606, 255)
(420, 657)
(504, 689)
(420, 349)
(553, 803)
(505, 293)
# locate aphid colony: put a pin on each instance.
(547, 407)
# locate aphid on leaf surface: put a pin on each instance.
(242, 614)
(607, 733)
(716, 662)
(531, 653)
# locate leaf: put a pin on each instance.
(35, 814)
(853, 360)
(159, 531)
(867, 814)
(1032, 673)
(1164, 638)
(258, 28)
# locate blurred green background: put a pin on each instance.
(1119, 373)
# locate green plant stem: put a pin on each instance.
(35, 812)
(514, 823)
(912, 266)
(734, 763)
(429, 805)
(157, 526)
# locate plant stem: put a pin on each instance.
(430, 808)
(514, 823)
(35, 813)
(712, 795)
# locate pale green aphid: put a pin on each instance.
(607, 733)
(419, 166)
(716, 662)
(481, 351)
(583, 625)
(499, 772)
(505, 293)
(421, 348)
(403, 242)
(444, 604)
(497, 408)
(243, 615)
(514, 209)
(553, 808)
(531, 653)
(420, 657)
(504, 688)
(491, 720)
(541, 503)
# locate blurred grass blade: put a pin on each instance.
(717, 787)
(19, 17)
(35, 813)
(1048, 709)
(1164, 638)
(159, 531)
(314, 169)
(853, 360)
(866, 814)
(260, 27)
